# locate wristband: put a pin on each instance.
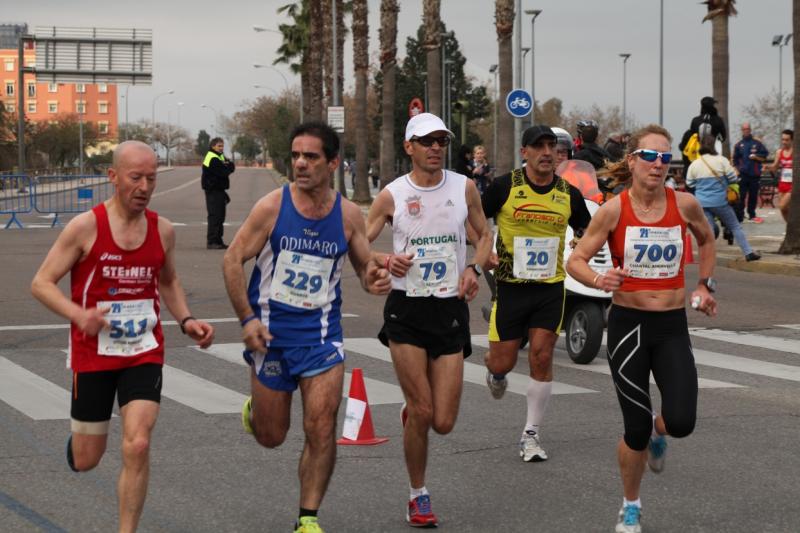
(184, 321)
(248, 318)
(388, 260)
(594, 281)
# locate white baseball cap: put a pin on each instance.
(423, 124)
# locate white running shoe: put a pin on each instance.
(657, 453)
(530, 449)
(629, 519)
(496, 387)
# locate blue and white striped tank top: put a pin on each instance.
(295, 286)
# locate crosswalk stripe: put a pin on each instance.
(750, 366)
(473, 373)
(378, 392)
(198, 393)
(30, 394)
(748, 339)
(788, 326)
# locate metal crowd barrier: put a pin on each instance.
(16, 197)
(69, 194)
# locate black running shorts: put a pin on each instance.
(439, 325)
(93, 392)
(523, 306)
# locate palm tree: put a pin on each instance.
(504, 22)
(327, 51)
(388, 38)
(361, 67)
(791, 242)
(294, 46)
(313, 66)
(432, 46)
(719, 11)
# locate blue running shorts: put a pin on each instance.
(282, 368)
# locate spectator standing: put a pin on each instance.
(215, 181)
(709, 115)
(481, 169)
(709, 175)
(615, 146)
(748, 156)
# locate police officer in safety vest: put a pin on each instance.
(215, 181)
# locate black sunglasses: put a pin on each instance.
(428, 141)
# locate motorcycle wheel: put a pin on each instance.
(584, 330)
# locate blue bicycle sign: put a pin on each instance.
(519, 103)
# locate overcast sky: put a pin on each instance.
(204, 50)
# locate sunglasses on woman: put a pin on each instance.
(651, 155)
(428, 141)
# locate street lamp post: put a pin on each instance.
(625, 57)
(493, 70)
(780, 41)
(81, 111)
(661, 67)
(525, 50)
(534, 13)
(216, 125)
(153, 116)
(517, 73)
(273, 91)
(285, 82)
(447, 104)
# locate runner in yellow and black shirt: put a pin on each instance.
(533, 207)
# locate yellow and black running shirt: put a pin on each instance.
(536, 218)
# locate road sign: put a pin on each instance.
(415, 107)
(336, 118)
(519, 103)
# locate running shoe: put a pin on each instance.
(419, 512)
(247, 413)
(530, 449)
(307, 524)
(70, 457)
(404, 414)
(496, 386)
(629, 520)
(657, 453)
(752, 256)
(757, 220)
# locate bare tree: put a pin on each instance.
(791, 242)
(388, 39)
(504, 23)
(765, 114)
(719, 11)
(433, 50)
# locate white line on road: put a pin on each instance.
(788, 326)
(748, 339)
(179, 187)
(473, 373)
(198, 393)
(30, 394)
(750, 366)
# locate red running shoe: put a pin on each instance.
(419, 512)
(757, 220)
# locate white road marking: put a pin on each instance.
(788, 326)
(198, 393)
(748, 339)
(749, 366)
(179, 187)
(32, 395)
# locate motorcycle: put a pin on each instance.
(585, 308)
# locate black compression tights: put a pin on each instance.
(643, 341)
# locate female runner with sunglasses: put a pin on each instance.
(647, 329)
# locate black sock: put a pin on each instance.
(308, 512)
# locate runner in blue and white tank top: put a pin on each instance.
(291, 312)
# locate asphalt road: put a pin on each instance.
(737, 472)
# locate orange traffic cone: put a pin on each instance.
(687, 250)
(357, 420)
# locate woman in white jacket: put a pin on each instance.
(709, 175)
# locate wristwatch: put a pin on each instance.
(477, 268)
(709, 283)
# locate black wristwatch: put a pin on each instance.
(476, 268)
(709, 283)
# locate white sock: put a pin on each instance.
(637, 502)
(414, 493)
(538, 397)
(655, 432)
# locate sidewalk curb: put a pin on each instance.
(785, 265)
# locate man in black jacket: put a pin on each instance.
(709, 115)
(215, 181)
(590, 151)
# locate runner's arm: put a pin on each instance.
(374, 278)
(692, 213)
(773, 167)
(172, 293)
(379, 214)
(65, 252)
(468, 282)
(596, 235)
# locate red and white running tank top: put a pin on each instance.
(126, 282)
(652, 251)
